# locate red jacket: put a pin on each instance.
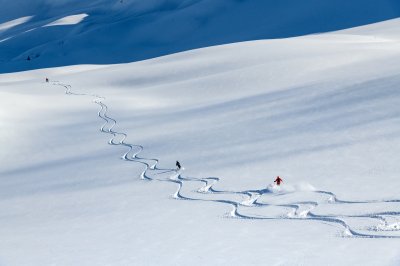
(278, 180)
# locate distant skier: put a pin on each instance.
(278, 180)
(28, 58)
(47, 80)
(178, 165)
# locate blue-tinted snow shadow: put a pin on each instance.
(128, 33)
(88, 168)
(290, 123)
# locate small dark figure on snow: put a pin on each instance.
(278, 180)
(178, 165)
(47, 79)
(29, 58)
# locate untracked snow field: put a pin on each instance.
(87, 161)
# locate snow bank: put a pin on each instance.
(69, 20)
(7, 25)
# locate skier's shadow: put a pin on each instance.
(168, 171)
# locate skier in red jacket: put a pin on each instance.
(278, 180)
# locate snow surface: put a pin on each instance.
(88, 160)
(69, 20)
(8, 25)
(130, 30)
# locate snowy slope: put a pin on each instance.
(124, 31)
(322, 111)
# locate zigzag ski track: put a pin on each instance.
(255, 204)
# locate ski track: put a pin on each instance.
(296, 210)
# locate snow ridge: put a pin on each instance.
(251, 204)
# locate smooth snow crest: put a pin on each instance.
(69, 20)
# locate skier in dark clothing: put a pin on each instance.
(178, 165)
(47, 79)
(278, 180)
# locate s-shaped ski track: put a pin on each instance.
(242, 201)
